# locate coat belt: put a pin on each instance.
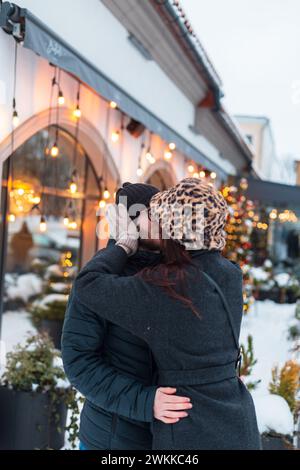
(201, 376)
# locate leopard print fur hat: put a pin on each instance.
(193, 213)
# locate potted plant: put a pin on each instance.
(47, 314)
(285, 383)
(35, 397)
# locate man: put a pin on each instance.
(114, 369)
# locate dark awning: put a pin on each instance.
(46, 43)
(274, 194)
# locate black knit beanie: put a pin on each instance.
(136, 193)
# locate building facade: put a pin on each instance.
(93, 94)
(266, 163)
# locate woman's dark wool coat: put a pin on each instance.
(197, 355)
(116, 373)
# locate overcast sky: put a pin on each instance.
(255, 47)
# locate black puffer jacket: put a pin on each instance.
(114, 370)
(197, 355)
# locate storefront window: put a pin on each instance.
(50, 202)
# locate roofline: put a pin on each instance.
(179, 24)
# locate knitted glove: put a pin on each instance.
(122, 229)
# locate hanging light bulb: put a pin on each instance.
(21, 191)
(115, 136)
(139, 171)
(191, 168)
(15, 118)
(73, 187)
(77, 112)
(195, 175)
(66, 220)
(72, 225)
(168, 154)
(150, 157)
(202, 174)
(43, 224)
(11, 217)
(113, 104)
(61, 98)
(106, 194)
(102, 204)
(213, 175)
(172, 146)
(54, 151)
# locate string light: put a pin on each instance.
(77, 110)
(115, 136)
(15, 119)
(150, 158)
(172, 146)
(54, 151)
(191, 168)
(273, 214)
(61, 98)
(195, 175)
(113, 105)
(15, 116)
(72, 225)
(139, 171)
(43, 224)
(244, 184)
(102, 204)
(73, 187)
(11, 217)
(202, 174)
(106, 194)
(168, 154)
(213, 175)
(66, 220)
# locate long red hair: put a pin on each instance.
(171, 274)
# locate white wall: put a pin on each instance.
(34, 76)
(92, 29)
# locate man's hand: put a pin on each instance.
(169, 408)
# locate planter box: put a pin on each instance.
(54, 330)
(27, 423)
(273, 441)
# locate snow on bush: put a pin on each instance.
(23, 287)
(259, 274)
(50, 299)
(282, 279)
(273, 414)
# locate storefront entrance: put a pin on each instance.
(48, 215)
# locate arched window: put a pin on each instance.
(49, 206)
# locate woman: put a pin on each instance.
(188, 309)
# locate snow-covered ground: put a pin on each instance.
(267, 322)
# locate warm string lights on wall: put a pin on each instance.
(77, 110)
(11, 216)
(199, 172)
(115, 135)
(54, 151)
(149, 155)
(139, 170)
(168, 153)
(105, 193)
(15, 115)
(73, 184)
